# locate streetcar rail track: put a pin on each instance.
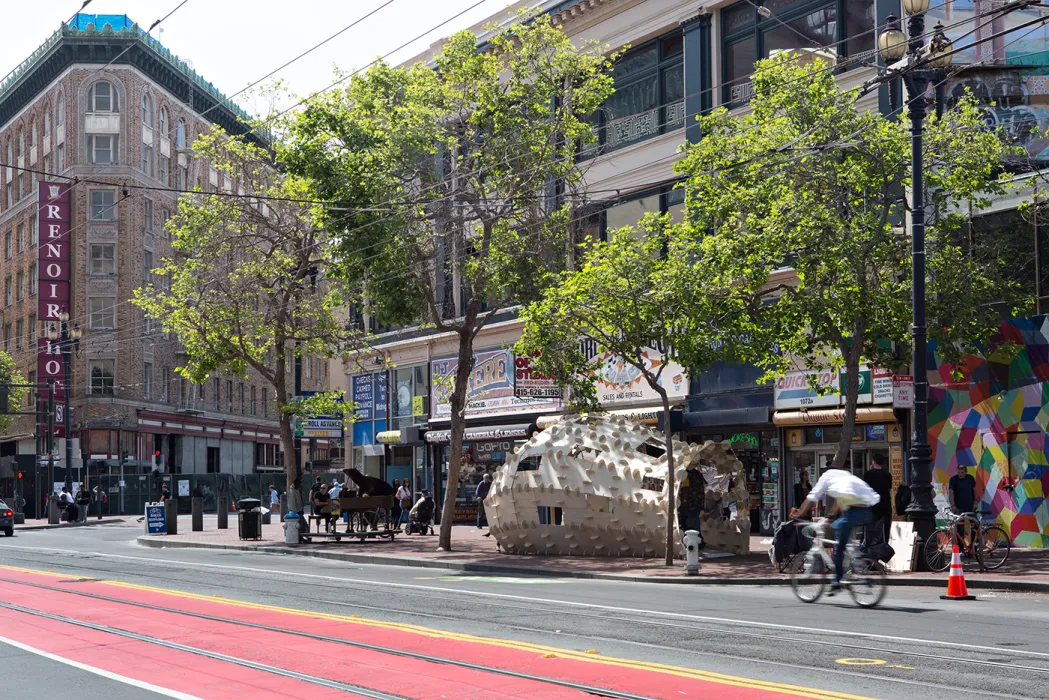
(591, 690)
(671, 625)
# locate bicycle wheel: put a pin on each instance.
(868, 582)
(808, 577)
(938, 550)
(995, 549)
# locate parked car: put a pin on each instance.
(7, 519)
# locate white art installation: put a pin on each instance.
(607, 475)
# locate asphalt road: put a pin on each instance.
(914, 645)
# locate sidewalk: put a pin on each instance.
(1027, 569)
(42, 524)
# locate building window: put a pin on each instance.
(103, 259)
(629, 212)
(147, 216)
(182, 178)
(253, 400)
(32, 280)
(47, 124)
(32, 136)
(101, 377)
(102, 149)
(31, 395)
(101, 313)
(162, 123)
(164, 384)
(8, 292)
(165, 169)
(60, 157)
(265, 406)
(7, 336)
(8, 245)
(147, 380)
(21, 237)
(164, 216)
(31, 333)
(229, 396)
(794, 24)
(147, 267)
(60, 111)
(102, 97)
(103, 205)
(19, 333)
(22, 177)
(47, 163)
(20, 286)
(34, 232)
(240, 389)
(180, 134)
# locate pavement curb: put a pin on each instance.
(474, 567)
(104, 521)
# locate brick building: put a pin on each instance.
(107, 107)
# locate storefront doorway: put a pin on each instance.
(814, 449)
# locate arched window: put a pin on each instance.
(162, 123)
(102, 97)
(147, 111)
(60, 110)
(9, 185)
(21, 142)
(180, 134)
(47, 123)
(32, 135)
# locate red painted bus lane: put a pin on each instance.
(267, 646)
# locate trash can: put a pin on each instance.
(291, 527)
(249, 519)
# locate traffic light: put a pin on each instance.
(19, 475)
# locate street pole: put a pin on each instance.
(922, 509)
(298, 392)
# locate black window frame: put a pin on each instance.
(759, 25)
(655, 72)
(669, 194)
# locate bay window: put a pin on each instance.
(838, 28)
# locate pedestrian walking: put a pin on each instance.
(274, 499)
(165, 494)
(69, 508)
(404, 498)
(395, 512)
(482, 493)
(880, 479)
(313, 492)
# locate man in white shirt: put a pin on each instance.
(853, 498)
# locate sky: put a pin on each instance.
(232, 43)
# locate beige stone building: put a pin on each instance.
(102, 105)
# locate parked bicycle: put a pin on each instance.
(810, 572)
(988, 543)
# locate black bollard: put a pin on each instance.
(171, 516)
(223, 513)
(198, 513)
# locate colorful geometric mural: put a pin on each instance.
(995, 419)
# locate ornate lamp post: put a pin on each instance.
(68, 341)
(924, 66)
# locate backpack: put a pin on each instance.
(788, 540)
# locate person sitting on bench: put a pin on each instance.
(322, 505)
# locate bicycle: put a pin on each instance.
(810, 571)
(988, 542)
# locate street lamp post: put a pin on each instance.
(924, 66)
(68, 341)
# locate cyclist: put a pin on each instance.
(961, 491)
(853, 499)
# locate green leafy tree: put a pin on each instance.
(246, 286)
(630, 295)
(445, 174)
(813, 181)
(9, 375)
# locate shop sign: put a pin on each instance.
(881, 414)
(490, 389)
(363, 396)
(484, 434)
(903, 391)
(747, 438)
(319, 427)
(794, 390)
(418, 406)
(883, 384)
(53, 279)
(389, 437)
(530, 383)
(495, 451)
(620, 382)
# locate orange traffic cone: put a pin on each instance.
(956, 589)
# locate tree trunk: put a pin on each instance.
(458, 428)
(668, 437)
(852, 388)
(287, 441)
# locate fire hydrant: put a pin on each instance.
(693, 541)
(291, 528)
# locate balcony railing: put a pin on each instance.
(633, 128)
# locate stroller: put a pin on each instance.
(420, 517)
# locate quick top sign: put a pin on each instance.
(54, 251)
(795, 391)
(54, 258)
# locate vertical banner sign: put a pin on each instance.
(55, 257)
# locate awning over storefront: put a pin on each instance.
(488, 432)
(645, 416)
(753, 415)
(864, 414)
